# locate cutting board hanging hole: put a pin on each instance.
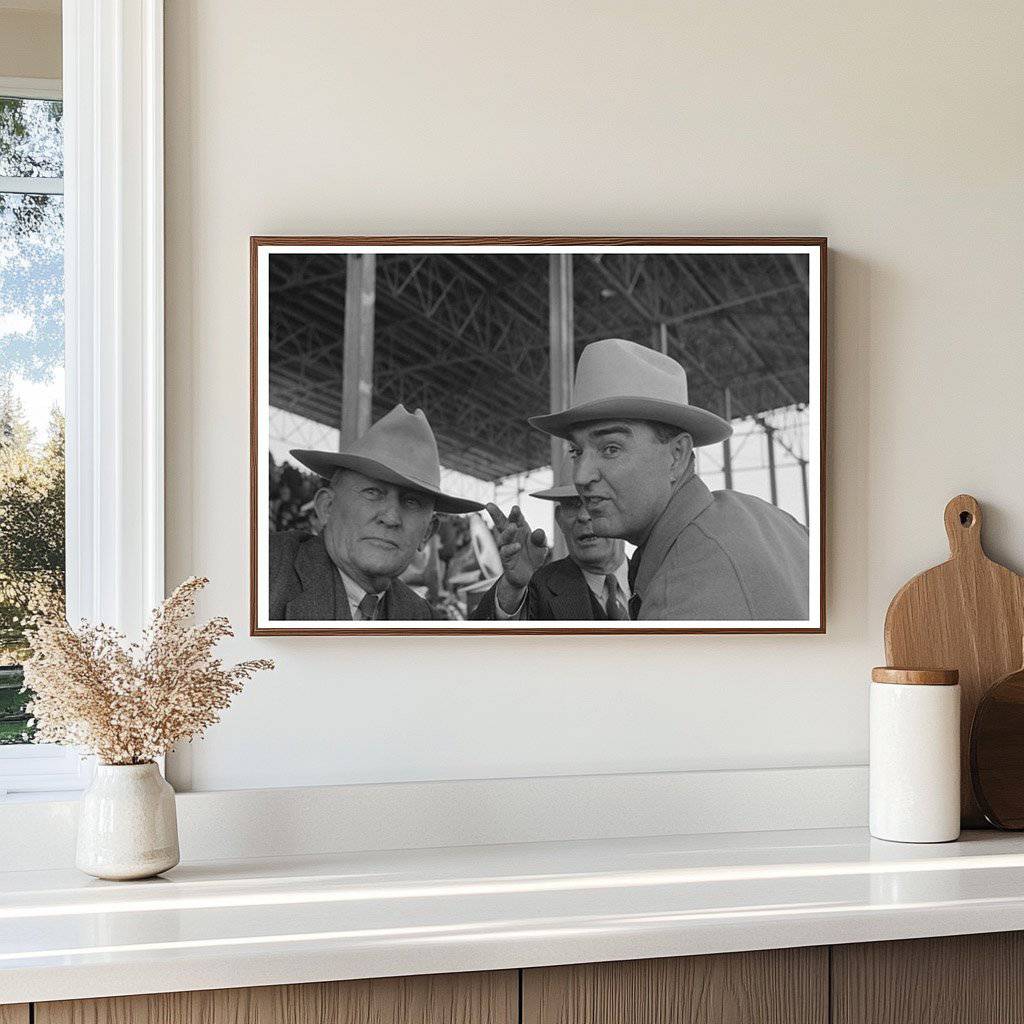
(963, 525)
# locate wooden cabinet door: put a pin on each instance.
(961, 979)
(777, 986)
(14, 1013)
(478, 998)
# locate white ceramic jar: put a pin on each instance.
(915, 755)
(127, 824)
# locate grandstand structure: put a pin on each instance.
(480, 341)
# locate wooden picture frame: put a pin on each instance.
(732, 311)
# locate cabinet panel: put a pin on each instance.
(961, 979)
(477, 998)
(778, 986)
(14, 1013)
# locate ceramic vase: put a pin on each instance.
(127, 825)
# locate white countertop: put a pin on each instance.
(222, 924)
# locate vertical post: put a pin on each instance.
(357, 385)
(659, 338)
(769, 433)
(562, 348)
(727, 443)
(807, 497)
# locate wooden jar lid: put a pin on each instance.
(916, 676)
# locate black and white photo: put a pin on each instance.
(537, 435)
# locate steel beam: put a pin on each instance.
(623, 289)
(727, 443)
(659, 334)
(357, 386)
(746, 342)
(769, 434)
(800, 263)
(721, 307)
(807, 497)
(659, 328)
(562, 359)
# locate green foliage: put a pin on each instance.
(14, 721)
(31, 523)
(31, 137)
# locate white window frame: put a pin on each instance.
(31, 88)
(114, 331)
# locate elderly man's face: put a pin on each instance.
(598, 554)
(373, 529)
(625, 475)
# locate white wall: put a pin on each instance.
(30, 39)
(895, 129)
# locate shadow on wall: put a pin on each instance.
(851, 284)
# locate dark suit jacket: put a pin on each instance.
(558, 590)
(306, 584)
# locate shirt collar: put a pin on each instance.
(353, 591)
(595, 580)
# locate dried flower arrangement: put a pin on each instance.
(130, 703)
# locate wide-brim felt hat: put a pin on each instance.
(399, 449)
(619, 379)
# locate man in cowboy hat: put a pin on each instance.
(700, 555)
(377, 506)
(589, 583)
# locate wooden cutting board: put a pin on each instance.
(967, 614)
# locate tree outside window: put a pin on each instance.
(31, 385)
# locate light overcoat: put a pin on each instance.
(722, 555)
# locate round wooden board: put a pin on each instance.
(997, 753)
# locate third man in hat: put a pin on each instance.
(591, 582)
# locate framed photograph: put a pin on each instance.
(537, 435)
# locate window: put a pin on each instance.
(31, 404)
(31, 381)
(112, 309)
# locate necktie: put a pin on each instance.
(633, 572)
(613, 606)
(368, 606)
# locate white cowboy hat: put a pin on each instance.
(399, 449)
(618, 379)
